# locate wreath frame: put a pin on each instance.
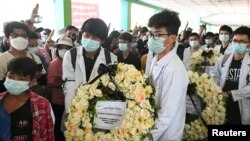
(140, 114)
(214, 113)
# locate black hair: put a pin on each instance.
(209, 34)
(226, 28)
(168, 19)
(33, 35)
(70, 27)
(126, 36)
(114, 34)
(47, 30)
(79, 37)
(9, 28)
(96, 27)
(106, 44)
(194, 34)
(23, 66)
(243, 30)
(144, 29)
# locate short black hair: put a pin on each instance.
(96, 27)
(114, 34)
(209, 34)
(126, 36)
(22, 66)
(9, 28)
(226, 28)
(144, 29)
(168, 19)
(194, 34)
(243, 30)
(70, 27)
(33, 35)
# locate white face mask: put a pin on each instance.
(33, 50)
(61, 52)
(19, 43)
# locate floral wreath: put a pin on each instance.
(118, 82)
(203, 57)
(214, 111)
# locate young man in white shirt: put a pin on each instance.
(232, 75)
(225, 35)
(169, 77)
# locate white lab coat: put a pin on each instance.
(78, 76)
(170, 80)
(242, 95)
(227, 51)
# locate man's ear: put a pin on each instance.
(32, 81)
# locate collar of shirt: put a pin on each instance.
(164, 60)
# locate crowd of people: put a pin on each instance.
(39, 77)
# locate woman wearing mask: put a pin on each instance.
(55, 82)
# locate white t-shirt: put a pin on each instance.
(6, 57)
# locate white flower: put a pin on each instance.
(137, 119)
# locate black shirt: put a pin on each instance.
(232, 83)
(89, 63)
(132, 59)
(21, 123)
(222, 50)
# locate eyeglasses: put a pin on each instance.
(156, 36)
(240, 41)
(15, 35)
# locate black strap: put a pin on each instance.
(107, 56)
(73, 52)
(199, 113)
(180, 51)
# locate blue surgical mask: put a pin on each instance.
(224, 38)
(123, 47)
(194, 44)
(15, 87)
(209, 41)
(90, 45)
(156, 45)
(33, 50)
(134, 45)
(239, 48)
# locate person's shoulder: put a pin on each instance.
(5, 54)
(38, 100)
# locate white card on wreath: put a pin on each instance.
(110, 114)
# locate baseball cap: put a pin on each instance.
(64, 41)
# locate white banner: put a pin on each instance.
(110, 114)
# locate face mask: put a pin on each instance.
(123, 47)
(209, 41)
(194, 44)
(44, 38)
(156, 45)
(19, 43)
(33, 50)
(239, 48)
(61, 52)
(90, 45)
(134, 45)
(15, 87)
(224, 38)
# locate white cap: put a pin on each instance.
(64, 41)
